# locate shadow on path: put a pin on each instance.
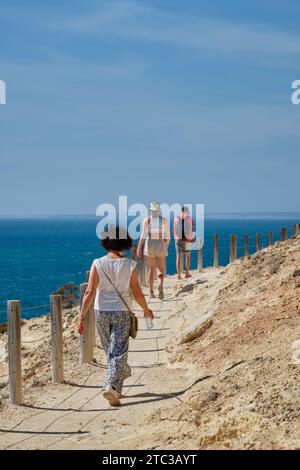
(144, 350)
(100, 385)
(153, 397)
(12, 431)
(76, 410)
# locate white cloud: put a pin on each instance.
(128, 19)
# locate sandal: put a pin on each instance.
(161, 294)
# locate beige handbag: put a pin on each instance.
(134, 321)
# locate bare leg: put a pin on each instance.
(187, 265)
(179, 264)
(151, 261)
(161, 263)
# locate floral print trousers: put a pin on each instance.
(113, 329)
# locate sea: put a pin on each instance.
(40, 255)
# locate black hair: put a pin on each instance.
(117, 239)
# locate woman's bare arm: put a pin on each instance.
(167, 231)
(142, 237)
(138, 294)
(88, 296)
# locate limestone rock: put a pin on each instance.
(196, 332)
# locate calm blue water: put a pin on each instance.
(40, 255)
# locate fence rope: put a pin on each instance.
(172, 252)
(135, 382)
(45, 411)
(36, 340)
(74, 297)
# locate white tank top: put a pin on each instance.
(155, 226)
(119, 270)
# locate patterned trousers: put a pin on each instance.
(113, 329)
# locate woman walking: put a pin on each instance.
(183, 231)
(155, 239)
(112, 317)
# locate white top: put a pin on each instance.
(155, 226)
(119, 270)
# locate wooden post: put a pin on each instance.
(258, 242)
(246, 245)
(200, 260)
(294, 229)
(233, 248)
(56, 339)
(87, 339)
(270, 238)
(14, 351)
(297, 230)
(216, 250)
(284, 234)
(87, 276)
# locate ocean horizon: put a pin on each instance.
(38, 255)
(209, 215)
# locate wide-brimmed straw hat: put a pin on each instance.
(154, 206)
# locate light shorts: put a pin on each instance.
(183, 246)
(155, 248)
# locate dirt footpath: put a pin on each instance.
(74, 415)
(220, 369)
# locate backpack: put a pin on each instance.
(182, 229)
(179, 228)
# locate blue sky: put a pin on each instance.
(168, 100)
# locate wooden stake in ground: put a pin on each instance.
(284, 234)
(56, 338)
(200, 260)
(270, 238)
(14, 351)
(246, 245)
(258, 242)
(216, 250)
(233, 248)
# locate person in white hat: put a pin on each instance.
(155, 239)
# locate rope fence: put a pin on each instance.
(58, 302)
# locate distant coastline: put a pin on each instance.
(253, 215)
(268, 215)
(40, 255)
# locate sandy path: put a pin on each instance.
(233, 387)
(76, 416)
